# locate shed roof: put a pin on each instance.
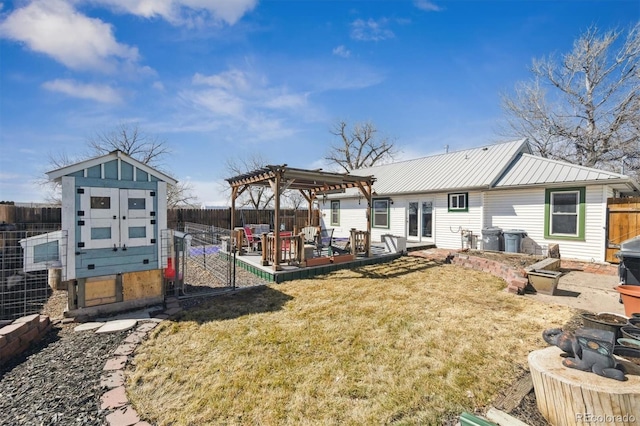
(113, 155)
(467, 169)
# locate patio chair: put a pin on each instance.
(324, 239)
(253, 241)
(310, 233)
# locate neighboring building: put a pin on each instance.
(448, 200)
(113, 210)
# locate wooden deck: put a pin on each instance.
(251, 261)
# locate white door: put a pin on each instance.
(136, 209)
(98, 217)
(116, 218)
(420, 221)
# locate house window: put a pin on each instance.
(335, 212)
(564, 213)
(137, 204)
(380, 214)
(458, 202)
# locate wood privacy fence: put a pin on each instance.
(51, 217)
(221, 218)
(623, 223)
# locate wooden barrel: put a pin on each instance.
(566, 396)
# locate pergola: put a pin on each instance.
(310, 183)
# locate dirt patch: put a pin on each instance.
(513, 260)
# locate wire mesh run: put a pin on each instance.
(31, 262)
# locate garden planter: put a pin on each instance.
(544, 281)
(605, 321)
(631, 332)
(630, 343)
(317, 261)
(630, 298)
(342, 258)
(630, 354)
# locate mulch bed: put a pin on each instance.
(57, 381)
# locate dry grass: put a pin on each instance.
(409, 342)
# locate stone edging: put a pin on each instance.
(114, 399)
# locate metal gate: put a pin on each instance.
(623, 223)
(28, 260)
(201, 260)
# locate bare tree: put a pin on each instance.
(585, 107)
(359, 147)
(129, 139)
(257, 197)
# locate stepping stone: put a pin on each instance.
(115, 398)
(146, 327)
(115, 363)
(117, 326)
(87, 326)
(125, 416)
(112, 379)
(125, 349)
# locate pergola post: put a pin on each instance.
(276, 222)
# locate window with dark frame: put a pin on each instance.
(335, 212)
(458, 202)
(380, 214)
(100, 202)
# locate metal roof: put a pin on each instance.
(467, 169)
(530, 169)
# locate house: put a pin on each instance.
(452, 200)
(113, 211)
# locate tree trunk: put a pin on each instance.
(567, 396)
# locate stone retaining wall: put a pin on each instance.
(516, 279)
(16, 337)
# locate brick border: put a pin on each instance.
(114, 399)
(18, 336)
(516, 279)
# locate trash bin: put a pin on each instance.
(629, 267)
(513, 239)
(491, 238)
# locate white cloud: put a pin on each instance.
(427, 6)
(342, 51)
(96, 92)
(158, 85)
(185, 12)
(371, 30)
(56, 29)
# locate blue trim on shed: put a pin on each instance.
(142, 176)
(94, 172)
(126, 171)
(111, 169)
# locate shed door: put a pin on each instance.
(100, 210)
(136, 212)
(116, 218)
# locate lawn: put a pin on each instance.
(408, 342)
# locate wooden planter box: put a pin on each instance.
(319, 261)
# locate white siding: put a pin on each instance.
(525, 209)
(448, 225)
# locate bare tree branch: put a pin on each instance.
(585, 106)
(359, 147)
(256, 197)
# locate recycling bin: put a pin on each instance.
(513, 240)
(492, 238)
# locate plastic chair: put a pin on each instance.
(324, 239)
(254, 242)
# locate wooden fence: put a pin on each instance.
(623, 223)
(51, 217)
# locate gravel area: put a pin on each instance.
(57, 382)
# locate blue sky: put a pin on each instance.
(219, 80)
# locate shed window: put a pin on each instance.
(103, 233)
(100, 202)
(335, 212)
(137, 232)
(564, 215)
(380, 214)
(458, 202)
(137, 204)
(45, 252)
